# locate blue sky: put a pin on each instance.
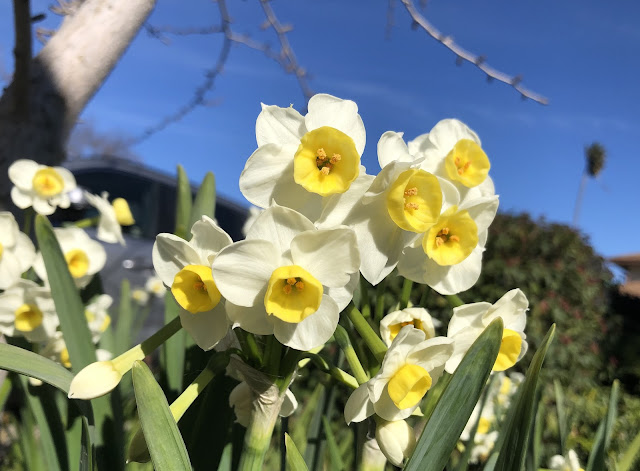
(582, 54)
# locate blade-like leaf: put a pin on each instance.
(334, 452)
(183, 204)
(205, 202)
(86, 450)
(294, 458)
(454, 408)
(603, 434)
(31, 364)
(173, 350)
(65, 295)
(165, 443)
(517, 427)
(630, 455)
(562, 416)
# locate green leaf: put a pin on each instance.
(173, 349)
(294, 458)
(514, 439)
(183, 204)
(125, 319)
(454, 408)
(205, 202)
(334, 452)
(5, 390)
(630, 455)
(31, 364)
(86, 450)
(65, 295)
(165, 443)
(562, 416)
(305, 417)
(603, 435)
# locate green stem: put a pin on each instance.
(272, 356)
(335, 372)
(249, 346)
(29, 213)
(407, 285)
(454, 300)
(365, 306)
(342, 337)
(374, 343)
(88, 222)
(424, 296)
(380, 291)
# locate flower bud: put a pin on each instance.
(396, 440)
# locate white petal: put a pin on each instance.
(432, 353)
(38, 267)
(21, 198)
(21, 173)
(8, 230)
(289, 405)
(419, 144)
(268, 167)
(10, 270)
(467, 315)
(97, 255)
(313, 331)
(461, 343)
(358, 406)
(280, 126)
(208, 238)
(344, 294)
(450, 194)
(171, 254)
(512, 307)
(330, 255)
(392, 148)
(327, 110)
(448, 132)
(242, 270)
(253, 319)
(67, 177)
(206, 328)
(279, 225)
(336, 208)
(482, 211)
(42, 206)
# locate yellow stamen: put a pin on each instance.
(411, 191)
(286, 289)
(414, 200)
(321, 153)
(325, 170)
(300, 285)
(412, 206)
(335, 158)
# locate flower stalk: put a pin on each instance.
(343, 340)
(374, 343)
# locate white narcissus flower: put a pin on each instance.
(254, 212)
(402, 203)
(570, 463)
(112, 217)
(448, 257)
(470, 320)
(85, 257)
(42, 187)
(140, 296)
(411, 366)
(27, 310)
(155, 286)
(288, 278)
(97, 315)
(453, 151)
(186, 268)
(16, 251)
(241, 400)
(307, 162)
(418, 317)
(396, 440)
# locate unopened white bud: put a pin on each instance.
(396, 439)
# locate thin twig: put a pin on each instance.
(22, 54)
(464, 55)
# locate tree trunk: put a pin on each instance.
(62, 79)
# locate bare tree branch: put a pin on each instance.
(464, 55)
(22, 54)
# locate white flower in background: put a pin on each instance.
(482, 447)
(27, 310)
(453, 151)
(16, 251)
(186, 268)
(411, 366)
(42, 187)
(288, 278)
(112, 217)
(401, 204)
(470, 320)
(140, 296)
(97, 315)
(307, 162)
(487, 421)
(418, 317)
(396, 440)
(507, 387)
(155, 286)
(85, 257)
(254, 212)
(241, 401)
(448, 257)
(570, 463)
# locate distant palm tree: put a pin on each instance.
(596, 156)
